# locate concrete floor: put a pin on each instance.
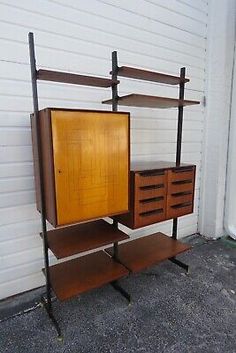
(171, 312)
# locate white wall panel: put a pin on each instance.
(79, 36)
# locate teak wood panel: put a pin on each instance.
(141, 253)
(86, 164)
(80, 275)
(67, 241)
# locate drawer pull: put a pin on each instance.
(148, 187)
(152, 199)
(149, 213)
(179, 182)
(154, 173)
(182, 170)
(182, 205)
(183, 193)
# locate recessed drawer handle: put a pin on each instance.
(182, 170)
(148, 187)
(149, 174)
(185, 204)
(149, 213)
(152, 199)
(177, 194)
(179, 182)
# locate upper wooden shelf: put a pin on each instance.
(145, 101)
(82, 274)
(66, 77)
(147, 251)
(75, 239)
(141, 74)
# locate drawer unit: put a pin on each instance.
(180, 191)
(159, 194)
(85, 158)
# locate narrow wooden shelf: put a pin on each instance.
(145, 101)
(80, 275)
(66, 77)
(72, 240)
(140, 74)
(141, 253)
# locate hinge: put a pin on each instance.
(204, 101)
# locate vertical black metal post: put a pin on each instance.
(114, 109)
(179, 136)
(48, 303)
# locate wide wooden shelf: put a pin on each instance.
(80, 275)
(146, 101)
(140, 74)
(141, 253)
(66, 77)
(72, 240)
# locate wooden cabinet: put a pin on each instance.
(159, 191)
(85, 163)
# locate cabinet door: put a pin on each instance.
(91, 164)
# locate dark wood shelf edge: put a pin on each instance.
(147, 101)
(142, 253)
(66, 77)
(75, 239)
(80, 275)
(146, 75)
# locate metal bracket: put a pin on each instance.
(179, 263)
(49, 311)
(121, 290)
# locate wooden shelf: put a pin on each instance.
(80, 275)
(145, 101)
(72, 240)
(140, 74)
(141, 253)
(65, 77)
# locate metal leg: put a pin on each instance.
(48, 307)
(180, 263)
(121, 290)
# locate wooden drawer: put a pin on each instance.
(145, 218)
(148, 192)
(151, 204)
(178, 210)
(180, 180)
(148, 179)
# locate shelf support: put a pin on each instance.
(48, 301)
(114, 109)
(178, 158)
(121, 290)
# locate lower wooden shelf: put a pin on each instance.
(80, 275)
(141, 253)
(64, 242)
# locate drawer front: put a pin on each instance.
(151, 204)
(150, 197)
(180, 192)
(143, 219)
(178, 210)
(148, 179)
(181, 180)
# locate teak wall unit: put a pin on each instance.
(85, 158)
(79, 275)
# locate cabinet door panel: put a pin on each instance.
(91, 161)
